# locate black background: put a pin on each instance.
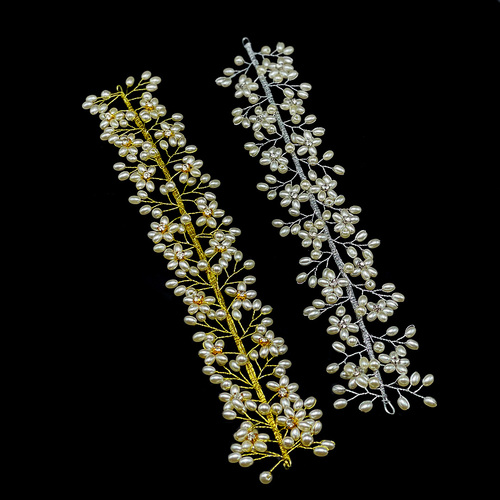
(401, 91)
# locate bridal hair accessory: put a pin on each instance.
(241, 353)
(340, 260)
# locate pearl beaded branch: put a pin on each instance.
(241, 354)
(289, 147)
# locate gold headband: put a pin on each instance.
(240, 351)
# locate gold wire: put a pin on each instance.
(213, 282)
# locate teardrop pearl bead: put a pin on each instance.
(403, 403)
(366, 406)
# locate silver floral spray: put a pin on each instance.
(339, 260)
(240, 352)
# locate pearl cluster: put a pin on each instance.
(241, 353)
(340, 259)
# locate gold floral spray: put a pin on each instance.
(240, 351)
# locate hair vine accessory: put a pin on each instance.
(240, 352)
(305, 184)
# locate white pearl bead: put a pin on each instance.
(265, 477)
(171, 283)
(430, 401)
(220, 314)
(338, 389)
(217, 379)
(246, 461)
(392, 330)
(264, 409)
(320, 451)
(309, 402)
(415, 378)
(238, 60)
(328, 444)
(199, 337)
(266, 309)
(229, 414)
(412, 344)
(338, 346)
(235, 367)
(301, 278)
(410, 331)
(190, 320)
(365, 406)
(307, 439)
(340, 403)
(180, 290)
(403, 403)
(315, 414)
(388, 287)
(159, 248)
(208, 370)
(332, 368)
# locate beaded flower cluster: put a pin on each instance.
(340, 258)
(241, 353)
